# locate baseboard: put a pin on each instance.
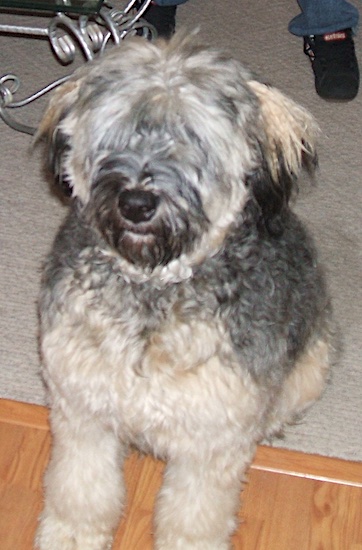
(24, 414)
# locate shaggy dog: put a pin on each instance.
(183, 310)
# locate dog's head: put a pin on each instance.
(163, 144)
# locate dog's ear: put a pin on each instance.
(50, 131)
(289, 134)
(290, 131)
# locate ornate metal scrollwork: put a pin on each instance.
(91, 34)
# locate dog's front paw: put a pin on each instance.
(54, 534)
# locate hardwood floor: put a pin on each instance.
(291, 502)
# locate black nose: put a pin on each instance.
(138, 205)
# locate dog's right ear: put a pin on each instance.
(57, 141)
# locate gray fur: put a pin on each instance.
(268, 290)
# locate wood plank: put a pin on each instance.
(282, 512)
(269, 511)
(144, 477)
(335, 513)
(24, 453)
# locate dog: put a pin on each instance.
(183, 310)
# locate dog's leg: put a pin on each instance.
(84, 489)
(198, 502)
(303, 386)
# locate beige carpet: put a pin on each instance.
(256, 33)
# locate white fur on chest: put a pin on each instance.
(176, 387)
(172, 413)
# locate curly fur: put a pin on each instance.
(183, 310)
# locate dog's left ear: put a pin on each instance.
(288, 140)
(290, 131)
(50, 130)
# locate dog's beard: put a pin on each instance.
(149, 248)
(146, 241)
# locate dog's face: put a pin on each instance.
(163, 143)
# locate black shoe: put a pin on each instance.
(334, 64)
(163, 18)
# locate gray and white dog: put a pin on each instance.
(183, 311)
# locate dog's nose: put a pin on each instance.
(138, 205)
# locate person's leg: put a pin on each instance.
(323, 16)
(162, 15)
(327, 29)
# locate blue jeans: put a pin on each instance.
(317, 17)
(323, 16)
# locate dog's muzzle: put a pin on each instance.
(138, 205)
